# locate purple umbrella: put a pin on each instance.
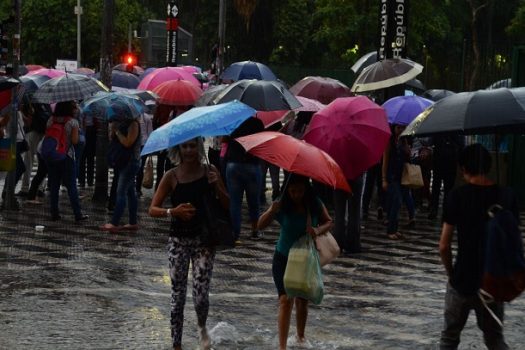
(401, 110)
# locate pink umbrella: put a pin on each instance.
(49, 72)
(309, 105)
(321, 89)
(191, 69)
(160, 75)
(31, 67)
(353, 130)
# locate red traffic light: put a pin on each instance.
(130, 59)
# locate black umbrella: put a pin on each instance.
(416, 84)
(7, 83)
(479, 112)
(210, 94)
(501, 83)
(386, 73)
(262, 95)
(437, 94)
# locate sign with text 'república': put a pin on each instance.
(393, 23)
(172, 27)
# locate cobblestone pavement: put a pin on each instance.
(75, 287)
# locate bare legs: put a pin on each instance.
(285, 313)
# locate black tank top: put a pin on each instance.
(190, 192)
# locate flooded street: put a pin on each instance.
(75, 287)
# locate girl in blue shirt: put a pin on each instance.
(291, 212)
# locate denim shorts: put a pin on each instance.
(278, 267)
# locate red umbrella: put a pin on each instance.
(322, 89)
(177, 93)
(353, 130)
(295, 156)
(271, 117)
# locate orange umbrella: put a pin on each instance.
(177, 93)
(295, 156)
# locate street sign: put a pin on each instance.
(66, 65)
(172, 27)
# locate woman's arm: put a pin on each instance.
(325, 225)
(184, 211)
(267, 217)
(74, 134)
(445, 250)
(384, 167)
(129, 139)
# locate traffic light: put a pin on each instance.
(130, 60)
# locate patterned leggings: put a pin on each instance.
(181, 251)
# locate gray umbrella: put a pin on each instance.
(479, 112)
(69, 87)
(437, 94)
(262, 95)
(209, 94)
(386, 73)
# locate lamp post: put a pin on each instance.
(222, 30)
(78, 12)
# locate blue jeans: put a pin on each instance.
(126, 189)
(242, 177)
(457, 309)
(347, 232)
(396, 194)
(63, 171)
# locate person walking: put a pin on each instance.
(187, 185)
(466, 210)
(64, 171)
(126, 131)
(396, 155)
(243, 174)
(298, 201)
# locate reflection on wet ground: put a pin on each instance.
(73, 286)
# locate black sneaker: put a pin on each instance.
(379, 214)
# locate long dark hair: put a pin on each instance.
(309, 201)
(65, 109)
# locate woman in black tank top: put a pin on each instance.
(186, 185)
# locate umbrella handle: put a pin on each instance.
(284, 186)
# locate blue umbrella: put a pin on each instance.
(401, 110)
(248, 70)
(113, 106)
(221, 119)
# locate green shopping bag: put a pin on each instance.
(7, 155)
(303, 277)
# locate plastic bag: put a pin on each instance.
(303, 277)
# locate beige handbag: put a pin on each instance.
(326, 245)
(412, 176)
(147, 180)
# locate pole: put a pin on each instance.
(172, 26)
(10, 202)
(129, 37)
(78, 11)
(220, 49)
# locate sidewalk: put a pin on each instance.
(73, 286)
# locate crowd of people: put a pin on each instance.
(186, 172)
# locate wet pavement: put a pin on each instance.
(75, 287)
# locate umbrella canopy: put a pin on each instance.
(160, 75)
(322, 89)
(110, 105)
(85, 71)
(416, 84)
(124, 79)
(146, 72)
(177, 93)
(33, 82)
(124, 68)
(49, 72)
(437, 94)
(209, 94)
(248, 70)
(354, 131)
(68, 88)
(401, 110)
(479, 112)
(500, 83)
(218, 120)
(364, 61)
(269, 118)
(262, 95)
(386, 73)
(309, 105)
(31, 67)
(295, 156)
(22, 70)
(145, 95)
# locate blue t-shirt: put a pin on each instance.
(293, 227)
